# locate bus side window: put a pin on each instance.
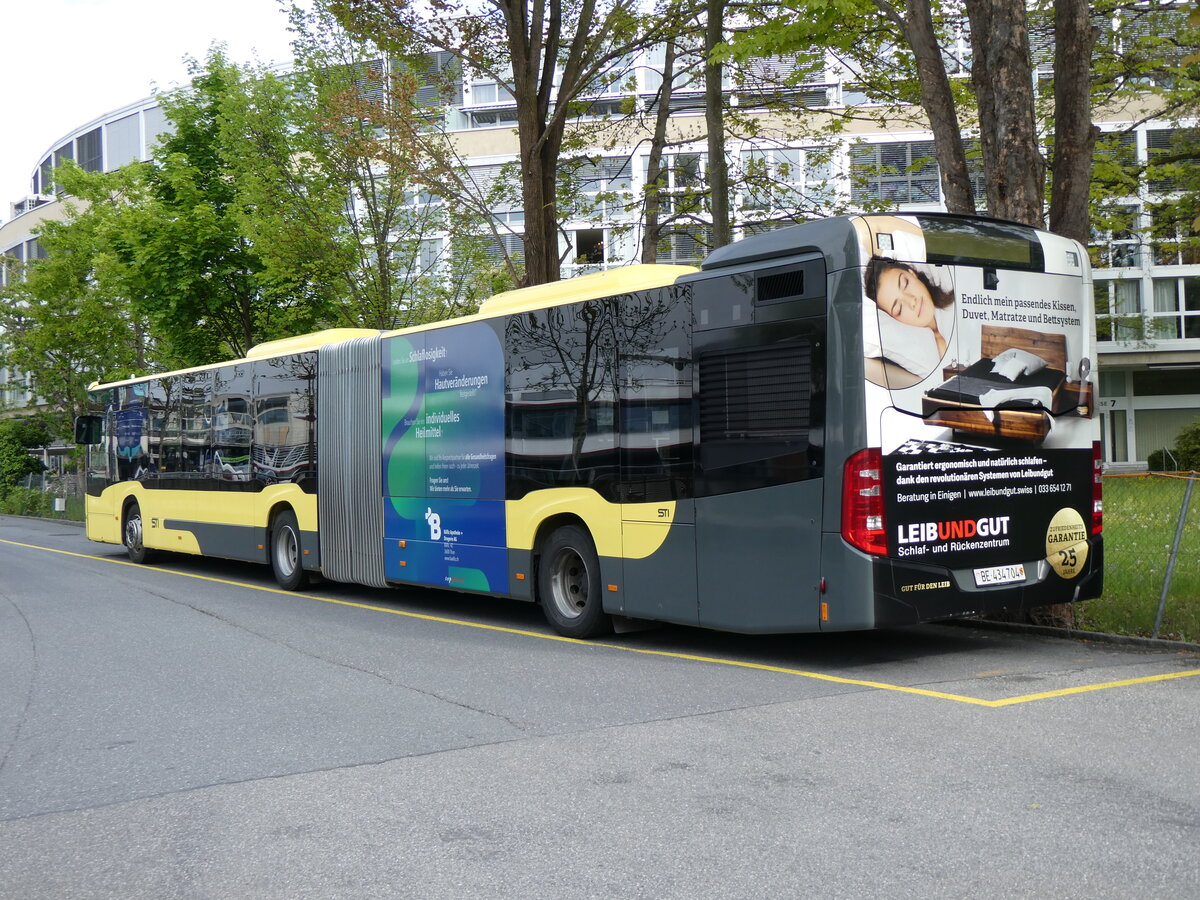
(655, 390)
(762, 406)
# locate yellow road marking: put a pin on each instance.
(715, 660)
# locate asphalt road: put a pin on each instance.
(186, 730)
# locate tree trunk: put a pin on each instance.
(714, 118)
(529, 48)
(655, 182)
(1002, 77)
(1074, 133)
(938, 103)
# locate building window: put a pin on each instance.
(685, 245)
(89, 151)
(685, 175)
(440, 83)
(10, 265)
(1176, 240)
(603, 186)
(1118, 309)
(35, 250)
(506, 246)
(497, 189)
(894, 173)
(156, 125)
(1115, 241)
(786, 179)
(1176, 308)
(1168, 159)
(44, 179)
(124, 139)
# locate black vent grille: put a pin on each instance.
(781, 285)
(756, 392)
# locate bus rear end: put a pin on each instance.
(977, 487)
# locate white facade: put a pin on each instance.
(1150, 335)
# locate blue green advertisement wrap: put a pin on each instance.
(443, 458)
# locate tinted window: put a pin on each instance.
(232, 425)
(186, 439)
(655, 387)
(561, 402)
(762, 406)
(284, 432)
(130, 429)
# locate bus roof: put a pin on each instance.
(265, 350)
(586, 287)
(557, 293)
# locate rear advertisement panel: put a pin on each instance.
(978, 358)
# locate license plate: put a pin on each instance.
(999, 575)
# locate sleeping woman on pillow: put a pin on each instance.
(909, 296)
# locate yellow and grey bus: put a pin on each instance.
(856, 422)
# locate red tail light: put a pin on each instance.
(1097, 491)
(863, 522)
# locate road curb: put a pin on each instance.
(1078, 634)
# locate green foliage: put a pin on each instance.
(16, 464)
(1183, 457)
(1141, 514)
(67, 320)
(1187, 447)
(26, 501)
(1148, 61)
(199, 278)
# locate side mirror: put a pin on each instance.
(88, 429)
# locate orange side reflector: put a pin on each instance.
(824, 612)
(402, 544)
(403, 563)
(260, 546)
(306, 552)
(613, 588)
(520, 576)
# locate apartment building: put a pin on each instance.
(1148, 294)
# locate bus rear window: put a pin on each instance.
(975, 242)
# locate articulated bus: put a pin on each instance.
(852, 423)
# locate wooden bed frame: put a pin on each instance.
(1027, 425)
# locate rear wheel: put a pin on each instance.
(569, 584)
(132, 536)
(285, 552)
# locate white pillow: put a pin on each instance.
(1013, 363)
(909, 346)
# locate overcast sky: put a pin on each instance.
(66, 62)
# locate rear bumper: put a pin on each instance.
(908, 593)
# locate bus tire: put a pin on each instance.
(569, 584)
(285, 552)
(132, 535)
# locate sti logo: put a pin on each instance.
(928, 532)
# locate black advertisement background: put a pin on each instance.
(1062, 478)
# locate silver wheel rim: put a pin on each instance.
(133, 532)
(569, 583)
(287, 553)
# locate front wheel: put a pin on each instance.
(132, 536)
(285, 552)
(569, 585)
